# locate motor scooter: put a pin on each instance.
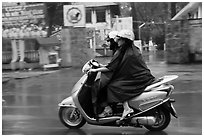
(152, 109)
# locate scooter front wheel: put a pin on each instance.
(71, 117)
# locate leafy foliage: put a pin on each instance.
(55, 14)
(155, 15)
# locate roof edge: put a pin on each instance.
(189, 7)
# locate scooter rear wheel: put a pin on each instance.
(163, 119)
(71, 117)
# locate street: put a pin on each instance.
(30, 105)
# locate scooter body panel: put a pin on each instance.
(67, 102)
(79, 84)
(147, 100)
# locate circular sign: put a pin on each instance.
(74, 15)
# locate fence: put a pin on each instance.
(31, 56)
(6, 57)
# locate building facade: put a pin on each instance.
(22, 49)
(100, 17)
(184, 35)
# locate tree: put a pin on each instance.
(154, 14)
(55, 14)
(173, 9)
(135, 18)
(148, 12)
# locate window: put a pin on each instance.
(101, 15)
(88, 16)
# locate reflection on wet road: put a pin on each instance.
(30, 106)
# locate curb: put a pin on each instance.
(23, 75)
(5, 80)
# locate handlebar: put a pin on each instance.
(94, 63)
(90, 64)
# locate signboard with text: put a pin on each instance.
(21, 15)
(123, 23)
(24, 21)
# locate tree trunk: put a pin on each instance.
(173, 9)
(135, 23)
(51, 8)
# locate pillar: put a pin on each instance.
(14, 54)
(22, 53)
(75, 50)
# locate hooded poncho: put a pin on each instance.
(130, 75)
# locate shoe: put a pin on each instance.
(107, 112)
(126, 112)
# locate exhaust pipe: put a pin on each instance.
(146, 120)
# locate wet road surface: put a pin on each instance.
(30, 106)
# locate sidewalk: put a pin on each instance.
(23, 74)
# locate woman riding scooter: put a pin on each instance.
(99, 98)
(130, 75)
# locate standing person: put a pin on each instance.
(130, 74)
(110, 38)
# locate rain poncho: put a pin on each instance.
(128, 76)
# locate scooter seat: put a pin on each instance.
(147, 89)
(161, 81)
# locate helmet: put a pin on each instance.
(126, 34)
(113, 34)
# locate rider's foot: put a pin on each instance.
(107, 112)
(126, 112)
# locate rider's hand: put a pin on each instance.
(102, 65)
(92, 70)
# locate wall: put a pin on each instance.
(195, 42)
(183, 40)
(177, 39)
(101, 28)
(100, 25)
